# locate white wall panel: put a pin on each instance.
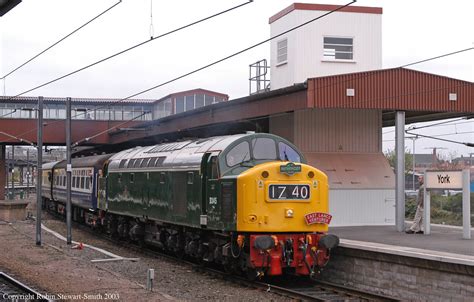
(362, 207)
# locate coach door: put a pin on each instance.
(210, 170)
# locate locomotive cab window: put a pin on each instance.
(238, 154)
(288, 154)
(264, 148)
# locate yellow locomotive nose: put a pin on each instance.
(282, 196)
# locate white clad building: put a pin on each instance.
(349, 40)
(345, 143)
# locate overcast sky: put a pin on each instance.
(412, 30)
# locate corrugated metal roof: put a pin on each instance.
(391, 89)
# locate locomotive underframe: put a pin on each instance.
(253, 254)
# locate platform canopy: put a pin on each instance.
(423, 97)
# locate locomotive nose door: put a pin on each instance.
(210, 175)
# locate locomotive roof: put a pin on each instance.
(184, 154)
(96, 161)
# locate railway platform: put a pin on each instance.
(435, 267)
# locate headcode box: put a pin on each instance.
(443, 180)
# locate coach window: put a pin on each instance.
(88, 182)
(73, 182)
(132, 178)
(83, 183)
(288, 154)
(119, 178)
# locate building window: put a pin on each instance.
(189, 102)
(199, 100)
(282, 51)
(209, 99)
(179, 104)
(338, 48)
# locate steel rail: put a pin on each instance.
(10, 288)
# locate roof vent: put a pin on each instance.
(250, 132)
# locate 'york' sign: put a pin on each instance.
(443, 179)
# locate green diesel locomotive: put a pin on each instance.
(248, 202)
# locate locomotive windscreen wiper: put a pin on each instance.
(247, 163)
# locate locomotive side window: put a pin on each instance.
(162, 177)
(238, 154)
(122, 163)
(131, 163)
(190, 178)
(145, 162)
(159, 161)
(287, 153)
(152, 161)
(264, 148)
(137, 163)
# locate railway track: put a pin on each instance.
(294, 287)
(312, 290)
(13, 290)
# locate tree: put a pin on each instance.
(390, 155)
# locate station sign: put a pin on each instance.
(443, 180)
